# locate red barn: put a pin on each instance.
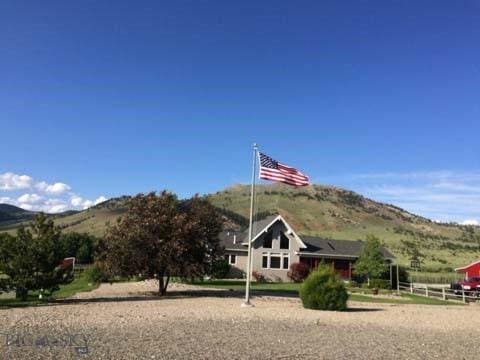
(470, 270)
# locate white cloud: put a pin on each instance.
(100, 200)
(6, 200)
(87, 203)
(29, 199)
(448, 196)
(41, 185)
(470, 222)
(54, 189)
(11, 181)
(79, 203)
(55, 209)
(33, 202)
(76, 200)
(51, 197)
(28, 207)
(54, 206)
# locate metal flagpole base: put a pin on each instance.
(247, 304)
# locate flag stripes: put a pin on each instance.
(272, 170)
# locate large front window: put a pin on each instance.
(275, 261)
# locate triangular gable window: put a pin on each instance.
(267, 240)
(284, 242)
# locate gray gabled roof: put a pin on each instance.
(315, 246)
(341, 248)
(227, 240)
(226, 237)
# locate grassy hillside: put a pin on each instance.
(12, 214)
(317, 210)
(92, 221)
(341, 214)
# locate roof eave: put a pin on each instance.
(237, 249)
(326, 255)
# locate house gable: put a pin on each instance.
(270, 224)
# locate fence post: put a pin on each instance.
(463, 294)
(411, 288)
(443, 294)
(391, 276)
(426, 290)
(398, 281)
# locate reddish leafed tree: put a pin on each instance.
(160, 237)
(298, 272)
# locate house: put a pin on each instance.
(276, 245)
(470, 270)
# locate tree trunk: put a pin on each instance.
(21, 293)
(163, 284)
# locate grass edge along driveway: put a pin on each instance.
(291, 289)
(79, 284)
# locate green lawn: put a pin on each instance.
(79, 284)
(354, 295)
(404, 299)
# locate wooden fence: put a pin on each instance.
(442, 292)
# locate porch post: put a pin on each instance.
(349, 270)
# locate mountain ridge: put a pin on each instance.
(317, 210)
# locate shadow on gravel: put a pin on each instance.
(187, 294)
(196, 294)
(355, 310)
(153, 296)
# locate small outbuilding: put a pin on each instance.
(470, 270)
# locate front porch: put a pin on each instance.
(342, 267)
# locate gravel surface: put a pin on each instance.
(124, 321)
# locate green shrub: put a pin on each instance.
(220, 269)
(379, 284)
(322, 290)
(95, 275)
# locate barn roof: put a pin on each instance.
(461, 269)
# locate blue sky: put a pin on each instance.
(111, 98)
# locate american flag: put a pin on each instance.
(273, 170)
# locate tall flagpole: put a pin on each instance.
(250, 229)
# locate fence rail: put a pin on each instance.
(442, 292)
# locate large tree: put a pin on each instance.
(370, 263)
(160, 237)
(31, 259)
(78, 245)
(5, 241)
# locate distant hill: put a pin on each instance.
(313, 210)
(341, 214)
(13, 214)
(94, 219)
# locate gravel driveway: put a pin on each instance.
(123, 321)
